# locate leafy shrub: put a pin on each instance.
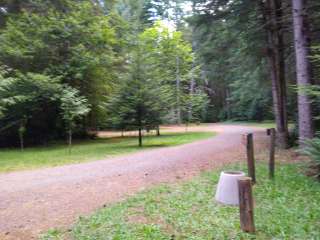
(312, 149)
(294, 135)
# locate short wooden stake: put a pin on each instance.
(250, 158)
(272, 133)
(246, 204)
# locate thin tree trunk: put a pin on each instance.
(70, 140)
(283, 133)
(228, 108)
(158, 130)
(140, 137)
(272, 13)
(21, 133)
(191, 92)
(178, 90)
(192, 81)
(302, 44)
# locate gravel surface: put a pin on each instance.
(31, 202)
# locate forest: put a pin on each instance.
(74, 67)
(159, 119)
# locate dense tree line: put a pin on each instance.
(112, 57)
(258, 64)
(66, 43)
(72, 66)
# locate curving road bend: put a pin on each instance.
(34, 201)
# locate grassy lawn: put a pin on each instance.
(285, 209)
(89, 150)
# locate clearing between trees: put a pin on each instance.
(34, 201)
(57, 154)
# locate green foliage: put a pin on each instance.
(228, 41)
(250, 99)
(286, 208)
(198, 103)
(23, 97)
(210, 69)
(77, 45)
(158, 58)
(97, 48)
(66, 40)
(136, 103)
(24, 94)
(73, 106)
(313, 91)
(170, 59)
(312, 149)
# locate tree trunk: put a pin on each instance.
(192, 80)
(302, 44)
(158, 131)
(191, 92)
(283, 133)
(178, 91)
(140, 137)
(70, 140)
(228, 105)
(272, 20)
(21, 136)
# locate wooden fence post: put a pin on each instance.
(246, 204)
(250, 158)
(272, 133)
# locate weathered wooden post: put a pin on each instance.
(250, 157)
(246, 204)
(272, 133)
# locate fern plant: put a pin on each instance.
(312, 150)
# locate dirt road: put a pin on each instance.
(34, 201)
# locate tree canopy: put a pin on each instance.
(139, 64)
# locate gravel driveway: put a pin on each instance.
(34, 201)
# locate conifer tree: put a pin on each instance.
(137, 103)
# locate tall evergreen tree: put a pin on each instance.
(272, 15)
(137, 103)
(302, 47)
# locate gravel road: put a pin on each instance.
(31, 202)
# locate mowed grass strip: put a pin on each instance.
(89, 150)
(287, 208)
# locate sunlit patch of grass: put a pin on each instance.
(89, 150)
(287, 208)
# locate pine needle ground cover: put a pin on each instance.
(287, 208)
(89, 150)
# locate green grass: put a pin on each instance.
(89, 150)
(287, 208)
